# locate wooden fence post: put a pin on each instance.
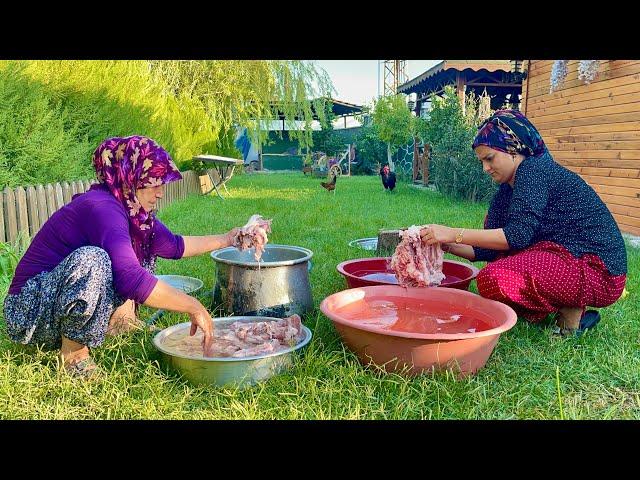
(2, 237)
(43, 215)
(51, 200)
(59, 200)
(23, 217)
(32, 207)
(10, 212)
(66, 193)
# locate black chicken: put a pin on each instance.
(388, 178)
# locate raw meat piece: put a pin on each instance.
(253, 235)
(261, 349)
(240, 339)
(416, 264)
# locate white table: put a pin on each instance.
(224, 167)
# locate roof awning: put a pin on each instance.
(339, 109)
(447, 67)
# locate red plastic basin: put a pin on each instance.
(364, 272)
(412, 330)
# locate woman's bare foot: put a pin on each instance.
(123, 320)
(76, 360)
(569, 318)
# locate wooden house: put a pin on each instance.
(593, 129)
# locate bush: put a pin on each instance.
(10, 255)
(454, 167)
(370, 151)
(53, 115)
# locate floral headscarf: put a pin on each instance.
(511, 132)
(124, 165)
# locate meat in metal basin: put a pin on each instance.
(228, 371)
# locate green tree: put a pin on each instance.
(54, 113)
(393, 123)
(325, 140)
(249, 93)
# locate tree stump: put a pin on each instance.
(388, 240)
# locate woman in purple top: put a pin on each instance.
(94, 259)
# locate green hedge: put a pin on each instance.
(53, 114)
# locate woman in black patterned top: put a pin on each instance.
(551, 243)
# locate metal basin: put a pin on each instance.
(238, 372)
(277, 286)
(370, 243)
(180, 282)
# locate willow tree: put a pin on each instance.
(249, 93)
(393, 123)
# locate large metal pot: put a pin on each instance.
(278, 286)
(240, 372)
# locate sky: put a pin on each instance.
(356, 81)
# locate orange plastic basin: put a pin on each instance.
(412, 330)
(363, 272)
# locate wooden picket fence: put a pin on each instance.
(24, 210)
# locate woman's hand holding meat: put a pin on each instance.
(437, 234)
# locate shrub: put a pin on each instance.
(454, 166)
(371, 151)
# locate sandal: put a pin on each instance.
(86, 369)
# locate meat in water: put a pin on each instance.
(416, 264)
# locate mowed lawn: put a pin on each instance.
(530, 375)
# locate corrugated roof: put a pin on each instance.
(338, 108)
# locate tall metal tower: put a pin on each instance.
(395, 74)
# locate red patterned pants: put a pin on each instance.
(545, 277)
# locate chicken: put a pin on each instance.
(388, 178)
(331, 186)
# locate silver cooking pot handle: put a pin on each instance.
(309, 265)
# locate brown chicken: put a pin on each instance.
(331, 186)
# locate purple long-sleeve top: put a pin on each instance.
(96, 218)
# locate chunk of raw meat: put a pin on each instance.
(261, 349)
(253, 235)
(416, 264)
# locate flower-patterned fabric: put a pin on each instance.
(126, 164)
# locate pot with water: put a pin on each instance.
(277, 286)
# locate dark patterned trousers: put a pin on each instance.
(75, 300)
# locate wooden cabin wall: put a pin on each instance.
(593, 129)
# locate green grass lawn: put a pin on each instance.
(529, 375)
